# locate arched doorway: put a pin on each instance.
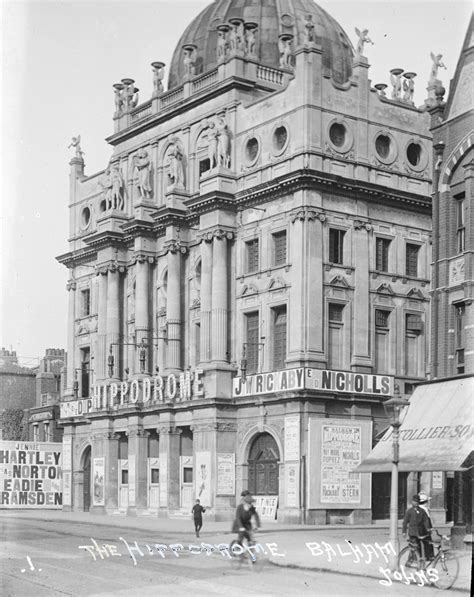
(263, 465)
(86, 488)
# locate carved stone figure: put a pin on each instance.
(437, 63)
(284, 45)
(363, 39)
(408, 87)
(106, 183)
(309, 35)
(223, 30)
(142, 166)
(76, 143)
(212, 135)
(175, 165)
(223, 143)
(236, 37)
(129, 93)
(118, 97)
(158, 75)
(395, 79)
(117, 189)
(250, 39)
(189, 59)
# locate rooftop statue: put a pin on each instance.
(309, 30)
(437, 63)
(250, 39)
(158, 75)
(189, 59)
(363, 39)
(395, 79)
(76, 143)
(284, 45)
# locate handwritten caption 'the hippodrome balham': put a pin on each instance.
(365, 554)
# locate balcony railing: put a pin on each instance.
(141, 112)
(265, 73)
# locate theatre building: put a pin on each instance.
(249, 275)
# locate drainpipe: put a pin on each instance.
(439, 149)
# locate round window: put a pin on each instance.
(414, 154)
(251, 150)
(337, 134)
(280, 137)
(85, 217)
(382, 146)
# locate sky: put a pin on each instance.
(59, 60)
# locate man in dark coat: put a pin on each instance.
(417, 523)
(197, 513)
(243, 517)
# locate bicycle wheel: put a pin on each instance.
(447, 567)
(409, 558)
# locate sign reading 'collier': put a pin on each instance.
(312, 379)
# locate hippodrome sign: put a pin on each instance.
(312, 379)
(147, 391)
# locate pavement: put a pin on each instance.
(344, 549)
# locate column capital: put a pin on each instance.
(175, 246)
(71, 285)
(219, 233)
(140, 257)
(307, 214)
(113, 436)
(168, 430)
(137, 432)
(359, 224)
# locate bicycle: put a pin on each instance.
(444, 563)
(246, 554)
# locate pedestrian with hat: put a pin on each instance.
(426, 525)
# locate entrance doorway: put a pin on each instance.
(263, 465)
(381, 483)
(86, 488)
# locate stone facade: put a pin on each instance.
(261, 265)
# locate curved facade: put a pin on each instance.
(256, 260)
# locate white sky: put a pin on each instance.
(59, 61)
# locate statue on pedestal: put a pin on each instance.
(363, 39)
(106, 183)
(117, 187)
(223, 143)
(250, 39)
(118, 97)
(189, 59)
(437, 63)
(284, 45)
(142, 166)
(175, 165)
(309, 36)
(408, 87)
(212, 135)
(76, 143)
(222, 30)
(158, 75)
(395, 79)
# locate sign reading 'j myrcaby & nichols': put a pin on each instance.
(312, 379)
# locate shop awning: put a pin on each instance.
(436, 433)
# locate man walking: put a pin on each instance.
(197, 513)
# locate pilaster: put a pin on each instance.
(71, 288)
(361, 360)
(137, 470)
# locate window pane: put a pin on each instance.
(124, 477)
(412, 260)
(336, 312)
(381, 254)
(252, 342)
(155, 475)
(187, 475)
(279, 338)
(279, 248)
(252, 255)
(335, 348)
(381, 318)
(336, 245)
(381, 351)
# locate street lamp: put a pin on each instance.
(393, 408)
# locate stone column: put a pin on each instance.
(173, 306)
(113, 318)
(111, 453)
(99, 440)
(206, 299)
(142, 329)
(169, 453)
(137, 470)
(219, 298)
(360, 328)
(71, 288)
(102, 348)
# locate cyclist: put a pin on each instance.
(411, 523)
(426, 525)
(243, 518)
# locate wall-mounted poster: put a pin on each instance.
(340, 453)
(266, 506)
(31, 475)
(292, 437)
(98, 476)
(292, 485)
(203, 478)
(225, 473)
(67, 470)
(163, 480)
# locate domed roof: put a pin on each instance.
(273, 18)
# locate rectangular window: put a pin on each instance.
(460, 223)
(85, 302)
(85, 371)
(459, 339)
(252, 255)
(35, 433)
(336, 245)
(382, 340)
(155, 475)
(124, 476)
(47, 436)
(335, 336)
(381, 318)
(279, 338)
(413, 329)
(197, 343)
(411, 260)
(187, 475)
(251, 347)
(382, 246)
(279, 248)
